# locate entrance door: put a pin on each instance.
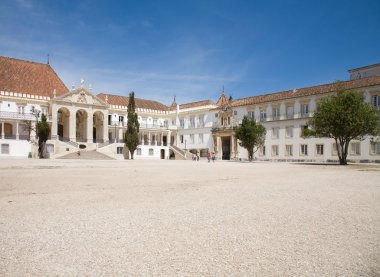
(164, 140)
(226, 148)
(162, 154)
(94, 134)
(60, 130)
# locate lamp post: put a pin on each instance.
(185, 146)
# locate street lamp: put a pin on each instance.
(185, 146)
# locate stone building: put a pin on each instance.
(81, 120)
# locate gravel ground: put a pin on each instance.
(184, 218)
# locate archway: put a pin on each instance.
(63, 130)
(8, 130)
(81, 126)
(162, 154)
(98, 125)
(171, 155)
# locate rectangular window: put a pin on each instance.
(334, 152)
(192, 122)
(276, 113)
(376, 101)
(119, 150)
(289, 112)
(304, 149)
(5, 148)
(355, 148)
(319, 148)
(275, 132)
(181, 138)
(289, 150)
(216, 115)
(121, 118)
(375, 148)
(262, 151)
(251, 114)
(263, 115)
(151, 151)
(304, 110)
(303, 127)
(201, 122)
(289, 131)
(192, 138)
(138, 151)
(200, 138)
(274, 150)
(50, 148)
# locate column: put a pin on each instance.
(90, 125)
(169, 137)
(155, 138)
(149, 139)
(2, 130)
(162, 139)
(73, 126)
(142, 138)
(233, 146)
(17, 133)
(54, 122)
(218, 147)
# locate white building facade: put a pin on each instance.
(83, 121)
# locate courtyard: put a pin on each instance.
(185, 218)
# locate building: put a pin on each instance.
(81, 120)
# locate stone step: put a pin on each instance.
(86, 155)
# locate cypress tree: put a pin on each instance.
(131, 138)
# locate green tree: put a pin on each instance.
(251, 135)
(43, 132)
(131, 138)
(343, 117)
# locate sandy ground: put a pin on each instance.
(184, 218)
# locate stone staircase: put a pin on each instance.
(86, 155)
(179, 153)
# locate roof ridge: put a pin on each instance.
(21, 60)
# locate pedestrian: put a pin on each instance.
(208, 156)
(197, 157)
(213, 157)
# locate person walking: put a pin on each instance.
(208, 156)
(213, 157)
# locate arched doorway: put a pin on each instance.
(81, 126)
(98, 125)
(162, 154)
(171, 155)
(8, 130)
(63, 130)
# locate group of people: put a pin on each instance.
(210, 157)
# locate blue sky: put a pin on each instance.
(192, 49)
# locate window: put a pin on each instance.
(251, 114)
(275, 132)
(235, 112)
(262, 151)
(304, 110)
(5, 148)
(119, 150)
(289, 150)
(21, 109)
(274, 150)
(121, 118)
(192, 122)
(303, 127)
(375, 148)
(138, 151)
(355, 148)
(151, 151)
(304, 149)
(276, 113)
(50, 148)
(181, 138)
(289, 112)
(201, 122)
(200, 138)
(263, 115)
(182, 123)
(376, 101)
(192, 138)
(319, 148)
(216, 115)
(334, 152)
(289, 131)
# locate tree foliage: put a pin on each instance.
(343, 117)
(251, 135)
(131, 138)
(42, 132)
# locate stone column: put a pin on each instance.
(169, 137)
(17, 133)
(218, 147)
(233, 146)
(90, 125)
(105, 126)
(149, 139)
(155, 138)
(2, 130)
(54, 122)
(73, 125)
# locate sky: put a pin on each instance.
(193, 49)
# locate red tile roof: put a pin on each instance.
(140, 103)
(308, 91)
(196, 104)
(29, 77)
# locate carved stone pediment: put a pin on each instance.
(80, 96)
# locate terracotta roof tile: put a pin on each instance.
(308, 91)
(29, 77)
(196, 104)
(140, 103)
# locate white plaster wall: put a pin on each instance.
(17, 148)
